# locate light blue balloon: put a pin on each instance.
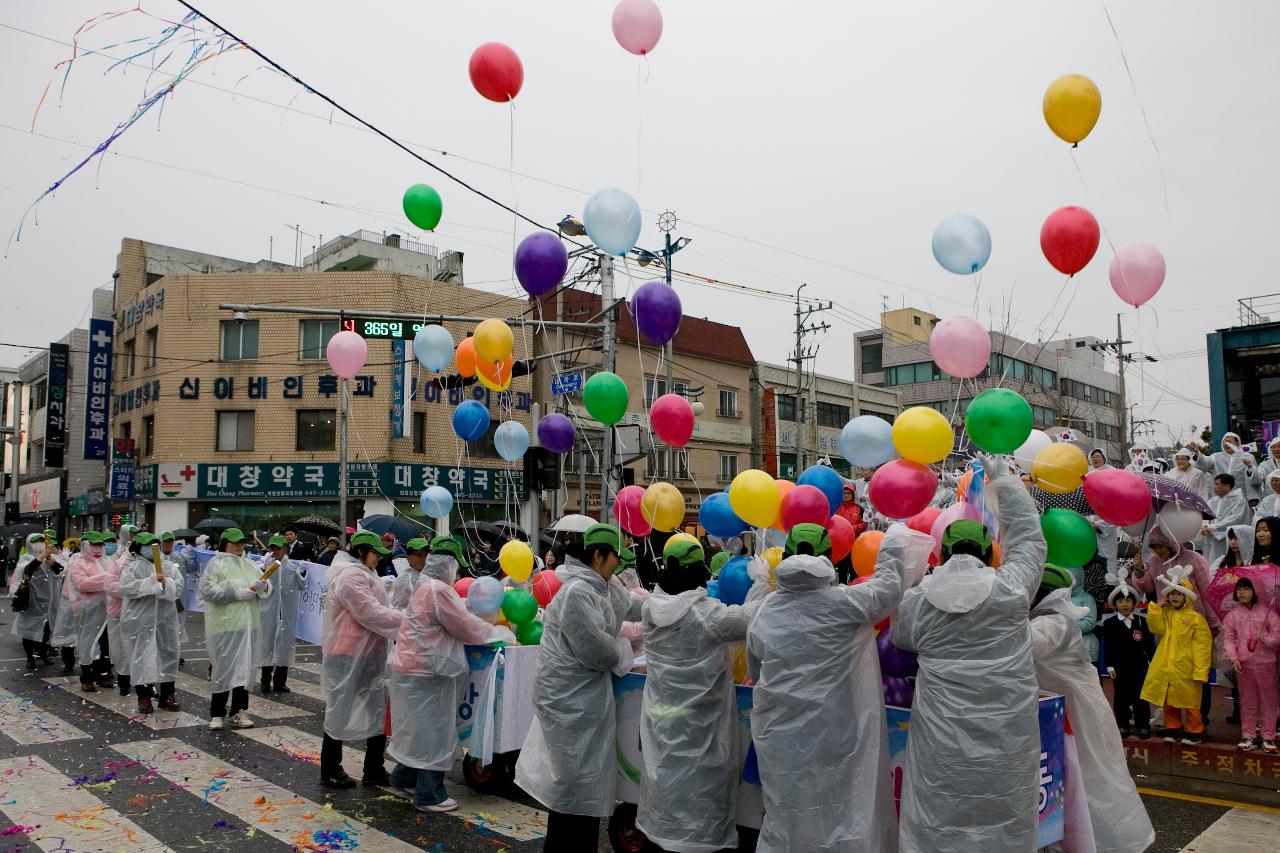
(433, 346)
(612, 220)
(512, 440)
(867, 441)
(962, 244)
(485, 595)
(436, 502)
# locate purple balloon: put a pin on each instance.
(898, 692)
(656, 308)
(541, 262)
(555, 432)
(894, 662)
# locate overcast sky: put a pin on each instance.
(806, 142)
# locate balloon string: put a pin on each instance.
(1164, 186)
(641, 62)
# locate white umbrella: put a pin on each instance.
(573, 524)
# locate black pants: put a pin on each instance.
(145, 691)
(33, 648)
(68, 658)
(274, 676)
(571, 833)
(331, 756)
(1128, 690)
(1206, 702)
(239, 702)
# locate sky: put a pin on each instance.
(817, 143)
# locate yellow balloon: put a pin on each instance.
(1072, 104)
(516, 560)
(493, 340)
(663, 507)
(923, 435)
(1060, 468)
(754, 498)
(773, 556)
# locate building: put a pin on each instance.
(1244, 372)
(1088, 394)
(236, 415)
(797, 426)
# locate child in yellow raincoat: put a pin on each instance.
(1181, 665)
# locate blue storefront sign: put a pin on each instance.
(121, 482)
(569, 383)
(97, 392)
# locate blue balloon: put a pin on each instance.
(471, 420)
(713, 588)
(717, 516)
(485, 595)
(436, 502)
(827, 481)
(962, 244)
(734, 581)
(512, 440)
(612, 220)
(867, 441)
(433, 346)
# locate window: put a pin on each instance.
(1044, 416)
(729, 404)
(315, 335)
(915, 318)
(655, 388)
(1085, 427)
(1108, 432)
(832, 415)
(1023, 371)
(39, 395)
(872, 357)
(728, 467)
(127, 359)
(316, 429)
(786, 407)
(419, 432)
(153, 342)
(235, 431)
(239, 339)
(484, 448)
(787, 466)
(149, 435)
(910, 374)
(126, 431)
(842, 466)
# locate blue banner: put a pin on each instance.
(97, 396)
(121, 482)
(399, 391)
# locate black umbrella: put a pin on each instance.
(318, 525)
(185, 533)
(486, 530)
(215, 524)
(22, 530)
(511, 531)
(398, 527)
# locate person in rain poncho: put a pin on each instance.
(1229, 508)
(1118, 817)
(1087, 623)
(36, 578)
(1164, 555)
(115, 563)
(150, 621)
(1098, 459)
(1229, 460)
(1251, 638)
(428, 677)
(973, 758)
(1266, 540)
(1239, 547)
(568, 762)
(1138, 459)
(70, 547)
(817, 719)
(1270, 501)
(358, 623)
(280, 616)
(409, 571)
(232, 590)
(1189, 475)
(82, 614)
(689, 720)
(1179, 673)
(184, 562)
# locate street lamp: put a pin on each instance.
(571, 227)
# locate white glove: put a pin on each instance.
(258, 585)
(246, 595)
(159, 586)
(758, 569)
(992, 466)
(625, 657)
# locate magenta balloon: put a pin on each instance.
(957, 511)
(347, 353)
(1119, 497)
(656, 308)
(960, 346)
(626, 507)
(555, 433)
(672, 419)
(804, 505)
(637, 25)
(1136, 273)
(900, 489)
(541, 262)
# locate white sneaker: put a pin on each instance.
(240, 721)
(447, 806)
(1245, 744)
(217, 724)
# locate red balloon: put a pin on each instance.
(672, 419)
(804, 504)
(924, 519)
(626, 508)
(1069, 238)
(1120, 497)
(461, 585)
(842, 536)
(901, 488)
(496, 72)
(544, 587)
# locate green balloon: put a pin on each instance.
(529, 634)
(519, 606)
(605, 397)
(1071, 539)
(423, 207)
(999, 420)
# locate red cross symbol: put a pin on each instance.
(187, 473)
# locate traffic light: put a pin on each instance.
(541, 469)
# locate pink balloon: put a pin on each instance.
(955, 512)
(637, 25)
(347, 353)
(900, 489)
(1120, 497)
(804, 505)
(924, 519)
(626, 508)
(1136, 273)
(672, 419)
(960, 346)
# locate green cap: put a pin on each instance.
(145, 538)
(277, 541)
(167, 536)
(232, 534)
(132, 528)
(718, 561)
(93, 537)
(416, 544)
(108, 536)
(33, 538)
(815, 535)
(451, 545)
(1056, 577)
(686, 553)
(607, 534)
(368, 537)
(51, 534)
(965, 530)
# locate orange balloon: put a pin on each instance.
(465, 357)
(784, 488)
(495, 377)
(997, 555)
(865, 550)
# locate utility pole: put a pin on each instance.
(804, 329)
(342, 462)
(608, 361)
(1122, 406)
(15, 441)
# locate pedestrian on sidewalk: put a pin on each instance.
(31, 590)
(231, 590)
(82, 614)
(1129, 645)
(150, 621)
(280, 616)
(1251, 638)
(1180, 669)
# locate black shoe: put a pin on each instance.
(338, 780)
(1192, 739)
(69, 670)
(280, 688)
(382, 778)
(1125, 731)
(1170, 735)
(1143, 734)
(124, 688)
(31, 664)
(266, 687)
(48, 659)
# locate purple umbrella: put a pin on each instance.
(1164, 490)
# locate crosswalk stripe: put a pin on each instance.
(258, 707)
(1237, 831)
(306, 688)
(268, 808)
(27, 723)
(127, 706)
(55, 814)
(495, 814)
(314, 668)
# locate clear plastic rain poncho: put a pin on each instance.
(406, 582)
(82, 615)
(280, 613)
(150, 619)
(1120, 822)
(818, 708)
(689, 720)
(429, 668)
(232, 619)
(42, 581)
(358, 623)
(973, 754)
(568, 762)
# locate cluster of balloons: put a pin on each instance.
(488, 598)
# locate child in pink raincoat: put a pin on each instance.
(1251, 637)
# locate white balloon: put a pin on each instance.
(1182, 524)
(1030, 449)
(1139, 530)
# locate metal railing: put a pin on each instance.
(1257, 309)
(396, 241)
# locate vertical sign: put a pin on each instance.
(55, 409)
(401, 426)
(769, 419)
(121, 483)
(97, 389)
